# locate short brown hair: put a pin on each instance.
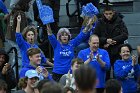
(26, 30)
(94, 35)
(33, 51)
(78, 60)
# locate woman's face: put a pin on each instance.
(125, 53)
(30, 37)
(64, 38)
(31, 81)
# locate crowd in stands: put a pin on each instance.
(87, 71)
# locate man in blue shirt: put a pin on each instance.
(98, 59)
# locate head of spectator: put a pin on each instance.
(108, 13)
(29, 34)
(125, 51)
(94, 42)
(34, 56)
(4, 58)
(22, 5)
(113, 86)
(52, 87)
(63, 35)
(3, 86)
(85, 79)
(69, 90)
(76, 63)
(31, 77)
(41, 84)
(22, 83)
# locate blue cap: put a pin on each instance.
(31, 74)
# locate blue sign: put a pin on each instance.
(89, 10)
(45, 13)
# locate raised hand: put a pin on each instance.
(19, 18)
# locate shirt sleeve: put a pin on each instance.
(53, 40)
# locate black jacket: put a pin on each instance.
(9, 78)
(114, 29)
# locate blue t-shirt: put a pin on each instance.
(100, 71)
(127, 75)
(64, 53)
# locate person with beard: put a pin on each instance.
(112, 33)
(27, 40)
(6, 72)
(127, 69)
(63, 48)
(31, 77)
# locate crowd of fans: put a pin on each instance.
(87, 71)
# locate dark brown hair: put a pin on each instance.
(33, 51)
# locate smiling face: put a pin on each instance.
(31, 82)
(64, 38)
(125, 53)
(30, 37)
(35, 59)
(94, 43)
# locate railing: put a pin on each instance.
(16, 61)
(76, 11)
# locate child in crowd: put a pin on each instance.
(67, 80)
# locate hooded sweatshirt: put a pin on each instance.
(127, 75)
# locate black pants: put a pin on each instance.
(56, 76)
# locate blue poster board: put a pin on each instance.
(45, 13)
(89, 10)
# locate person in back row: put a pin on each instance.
(112, 32)
(63, 48)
